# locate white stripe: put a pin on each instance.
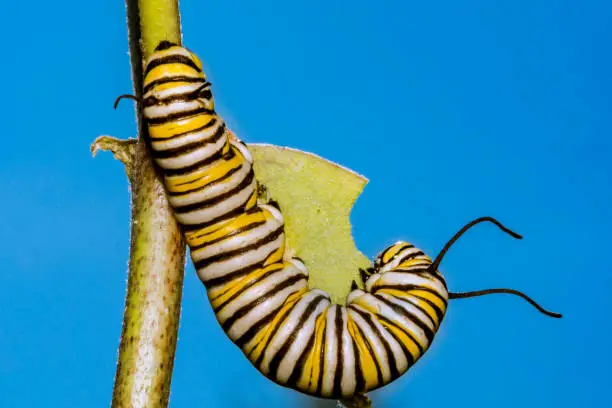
(349, 376)
(288, 363)
(223, 207)
(329, 365)
(201, 153)
(386, 311)
(202, 136)
(380, 354)
(208, 192)
(286, 327)
(160, 111)
(410, 308)
(398, 278)
(227, 266)
(240, 240)
(255, 292)
(262, 310)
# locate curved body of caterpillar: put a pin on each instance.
(293, 335)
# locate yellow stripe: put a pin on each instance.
(256, 346)
(372, 308)
(277, 255)
(202, 177)
(313, 364)
(435, 299)
(169, 85)
(171, 70)
(420, 260)
(219, 290)
(198, 239)
(429, 310)
(236, 287)
(252, 202)
(176, 127)
(192, 235)
(196, 60)
(366, 360)
(405, 340)
(391, 252)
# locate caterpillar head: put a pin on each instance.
(402, 256)
(174, 73)
(406, 259)
(399, 257)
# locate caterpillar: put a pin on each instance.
(293, 335)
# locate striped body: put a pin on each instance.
(294, 335)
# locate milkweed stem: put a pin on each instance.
(157, 251)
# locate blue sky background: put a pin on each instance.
(453, 110)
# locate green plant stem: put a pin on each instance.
(157, 251)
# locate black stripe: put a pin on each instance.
(215, 182)
(183, 171)
(221, 280)
(383, 253)
(205, 94)
(244, 310)
(404, 247)
(409, 302)
(429, 334)
(337, 388)
(390, 356)
(199, 234)
(188, 147)
(232, 233)
(256, 328)
(240, 209)
(284, 349)
(370, 351)
(185, 149)
(274, 330)
(194, 228)
(170, 79)
(416, 269)
(407, 288)
(440, 278)
(409, 256)
(247, 287)
(411, 359)
(211, 202)
(298, 369)
(360, 383)
(241, 251)
(199, 93)
(219, 155)
(364, 275)
(164, 45)
(408, 334)
(436, 308)
(322, 357)
(171, 117)
(171, 59)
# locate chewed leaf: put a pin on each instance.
(316, 197)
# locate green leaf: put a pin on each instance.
(316, 197)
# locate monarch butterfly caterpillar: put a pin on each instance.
(294, 336)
